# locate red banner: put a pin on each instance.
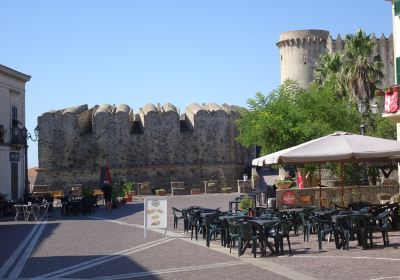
(108, 174)
(391, 100)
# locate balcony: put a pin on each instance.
(18, 137)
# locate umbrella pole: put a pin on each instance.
(320, 198)
(342, 182)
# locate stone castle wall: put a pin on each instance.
(301, 49)
(155, 144)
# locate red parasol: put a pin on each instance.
(108, 174)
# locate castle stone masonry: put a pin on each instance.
(301, 49)
(155, 144)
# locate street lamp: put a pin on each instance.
(26, 135)
(363, 129)
(363, 109)
(374, 109)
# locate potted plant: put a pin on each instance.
(160, 191)
(283, 183)
(127, 188)
(246, 203)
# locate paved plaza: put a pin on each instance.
(112, 246)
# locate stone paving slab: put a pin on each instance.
(71, 242)
(111, 246)
(11, 236)
(189, 259)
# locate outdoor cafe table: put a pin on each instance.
(27, 210)
(204, 214)
(200, 209)
(362, 231)
(291, 210)
(265, 227)
(325, 214)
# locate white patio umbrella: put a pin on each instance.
(337, 147)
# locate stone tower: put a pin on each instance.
(299, 51)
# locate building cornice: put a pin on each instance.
(14, 74)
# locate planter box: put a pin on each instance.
(128, 198)
(161, 193)
(226, 190)
(196, 191)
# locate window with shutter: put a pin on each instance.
(396, 7)
(2, 132)
(397, 70)
(14, 116)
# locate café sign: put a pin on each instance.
(155, 214)
(289, 198)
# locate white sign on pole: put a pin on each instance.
(155, 213)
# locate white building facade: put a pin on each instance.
(13, 180)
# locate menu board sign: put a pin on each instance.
(155, 213)
(289, 198)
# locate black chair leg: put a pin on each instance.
(288, 241)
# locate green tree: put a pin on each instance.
(291, 115)
(355, 72)
(327, 69)
(361, 71)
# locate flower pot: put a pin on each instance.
(196, 191)
(128, 197)
(283, 186)
(161, 193)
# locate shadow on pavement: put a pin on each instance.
(93, 266)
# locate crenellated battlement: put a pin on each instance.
(302, 37)
(149, 114)
(301, 49)
(154, 138)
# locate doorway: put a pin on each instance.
(14, 181)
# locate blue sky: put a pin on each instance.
(137, 52)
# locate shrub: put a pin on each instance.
(246, 203)
(128, 186)
(227, 190)
(160, 191)
(283, 181)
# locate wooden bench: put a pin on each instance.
(177, 186)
